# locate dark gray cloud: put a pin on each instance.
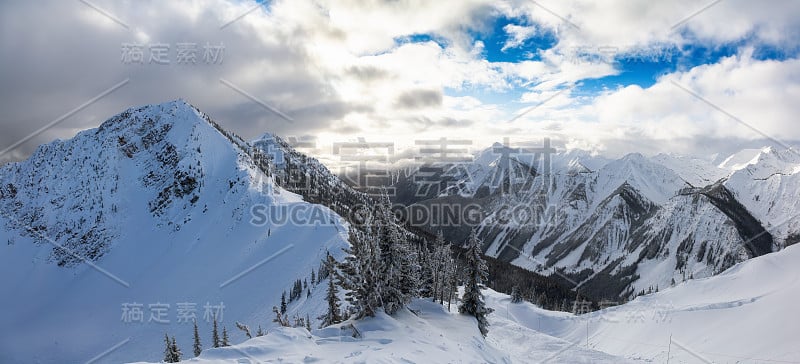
(421, 98)
(367, 73)
(58, 59)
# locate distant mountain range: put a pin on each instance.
(614, 228)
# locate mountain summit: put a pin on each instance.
(141, 221)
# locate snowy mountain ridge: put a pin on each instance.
(632, 224)
(150, 211)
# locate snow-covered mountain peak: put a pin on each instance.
(175, 111)
(655, 181)
(162, 199)
(764, 164)
(266, 136)
(696, 171)
(150, 160)
(742, 159)
(768, 185)
(634, 157)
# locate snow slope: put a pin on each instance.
(429, 334)
(769, 185)
(746, 314)
(743, 315)
(154, 207)
(698, 172)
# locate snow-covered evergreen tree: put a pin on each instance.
(360, 274)
(176, 352)
(333, 315)
(476, 273)
(443, 270)
(438, 265)
(197, 346)
(426, 273)
(215, 334)
(225, 341)
(410, 271)
(392, 257)
(171, 352)
(516, 295)
(167, 349)
(283, 303)
(451, 277)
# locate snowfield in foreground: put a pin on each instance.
(427, 333)
(744, 315)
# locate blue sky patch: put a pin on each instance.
(495, 38)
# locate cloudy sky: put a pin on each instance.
(612, 76)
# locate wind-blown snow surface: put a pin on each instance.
(743, 315)
(159, 200)
(746, 314)
(429, 334)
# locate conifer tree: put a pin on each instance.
(476, 273)
(426, 262)
(516, 296)
(360, 274)
(197, 346)
(167, 349)
(438, 265)
(215, 334)
(333, 316)
(176, 352)
(225, 341)
(410, 269)
(392, 257)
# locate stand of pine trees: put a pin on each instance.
(549, 292)
(384, 269)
